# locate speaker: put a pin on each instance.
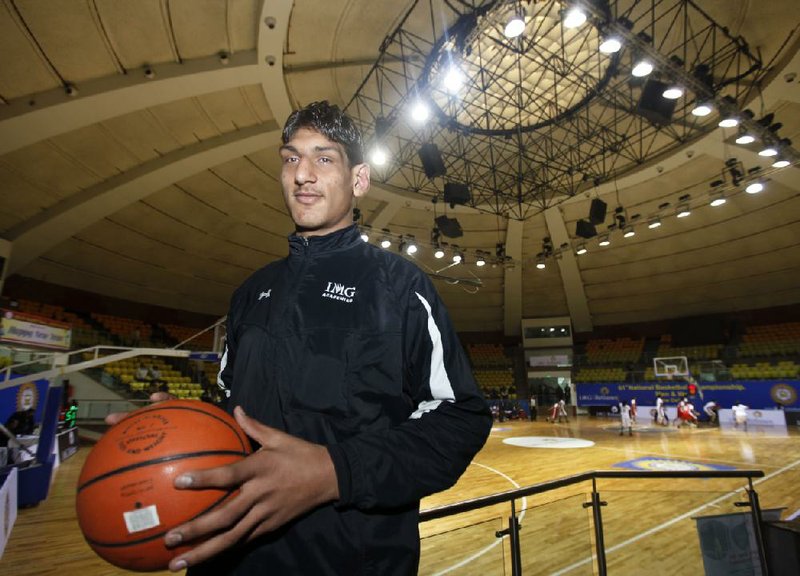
(653, 106)
(597, 211)
(432, 162)
(585, 229)
(449, 226)
(456, 193)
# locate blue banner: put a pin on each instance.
(754, 393)
(24, 396)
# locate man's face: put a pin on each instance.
(318, 183)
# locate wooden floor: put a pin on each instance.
(649, 524)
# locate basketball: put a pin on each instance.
(126, 501)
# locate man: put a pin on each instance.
(739, 415)
(711, 410)
(625, 418)
(353, 381)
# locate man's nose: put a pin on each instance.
(304, 171)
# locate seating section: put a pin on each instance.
(493, 370)
(131, 332)
(203, 342)
(488, 356)
(604, 351)
(83, 334)
(771, 340)
(704, 352)
(765, 370)
(180, 386)
(612, 374)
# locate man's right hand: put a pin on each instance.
(155, 397)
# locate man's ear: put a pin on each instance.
(360, 180)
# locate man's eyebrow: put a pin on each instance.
(326, 149)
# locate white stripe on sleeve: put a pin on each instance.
(222, 363)
(439, 382)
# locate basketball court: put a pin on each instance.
(647, 523)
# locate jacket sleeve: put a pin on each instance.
(429, 451)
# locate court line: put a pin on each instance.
(656, 454)
(497, 542)
(661, 527)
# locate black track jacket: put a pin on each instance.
(347, 345)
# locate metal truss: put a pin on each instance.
(546, 115)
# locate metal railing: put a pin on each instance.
(594, 502)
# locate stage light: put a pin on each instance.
(574, 18)
(642, 68)
(754, 187)
(453, 79)
(540, 263)
(420, 112)
(768, 151)
(745, 139)
(654, 223)
(610, 45)
(673, 92)
(729, 122)
(378, 156)
(780, 163)
(581, 249)
(702, 109)
(604, 240)
(515, 25)
(718, 199)
(628, 232)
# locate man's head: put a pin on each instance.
(332, 123)
(323, 169)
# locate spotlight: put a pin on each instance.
(420, 112)
(754, 187)
(411, 245)
(718, 199)
(780, 163)
(654, 223)
(642, 68)
(628, 231)
(673, 92)
(385, 241)
(458, 257)
(604, 240)
(768, 151)
(481, 261)
(540, 263)
(515, 25)
(438, 253)
(581, 249)
(729, 122)
(702, 109)
(745, 139)
(453, 79)
(610, 45)
(378, 156)
(574, 18)
(682, 210)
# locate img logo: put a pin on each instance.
(337, 291)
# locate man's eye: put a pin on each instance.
(325, 160)
(290, 159)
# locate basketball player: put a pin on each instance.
(625, 419)
(661, 413)
(342, 364)
(633, 410)
(739, 415)
(711, 410)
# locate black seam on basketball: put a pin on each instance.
(190, 409)
(160, 461)
(160, 534)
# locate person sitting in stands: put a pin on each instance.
(141, 373)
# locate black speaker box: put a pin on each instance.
(653, 106)
(585, 229)
(432, 162)
(597, 211)
(450, 227)
(456, 193)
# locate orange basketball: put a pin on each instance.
(126, 500)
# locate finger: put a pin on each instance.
(219, 519)
(161, 397)
(228, 476)
(216, 544)
(115, 417)
(259, 432)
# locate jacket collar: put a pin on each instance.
(341, 239)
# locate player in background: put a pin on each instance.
(711, 408)
(625, 419)
(739, 415)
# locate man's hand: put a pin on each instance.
(285, 478)
(155, 397)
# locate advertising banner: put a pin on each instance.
(20, 330)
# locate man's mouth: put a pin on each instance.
(306, 197)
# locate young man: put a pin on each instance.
(354, 384)
(739, 415)
(625, 419)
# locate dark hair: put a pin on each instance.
(332, 123)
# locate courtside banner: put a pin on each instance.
(753, 393)
(21, 331)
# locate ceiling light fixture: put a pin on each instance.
(540, 263)
(581, 249)
(420, 112)
(754, 187)
(610, 45)
(642, 68)
(729, 122)
(768, 151)
(574, 17)
(628, 232)
(453, 79)
(604, 240)
(745, 139)
(718, 199)
(782, 163)
(515, 25)
(378, 157)
(703, 109)
(654, 223)
(672, 92)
